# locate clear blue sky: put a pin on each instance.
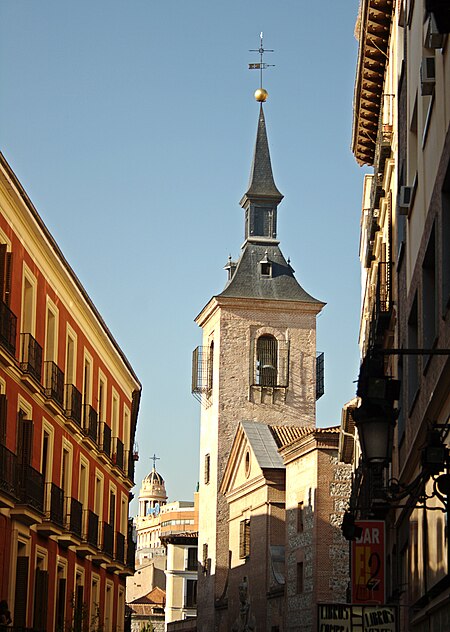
(131, 125)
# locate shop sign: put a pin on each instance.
(356, 618)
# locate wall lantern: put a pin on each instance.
(376, 433)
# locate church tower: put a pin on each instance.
(257, 362)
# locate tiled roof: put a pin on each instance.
(285, 435)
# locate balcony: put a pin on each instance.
(54, 382)
(8, 328)
(73, 522)
(53, 522)
(90, 423)
(117, 452)
(131, 556)
(30, 495)
(73, 405)
(89, 546)
(31, 357)
(104, 440)
(8, 477)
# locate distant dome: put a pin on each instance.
(153, 491)
(154, 478)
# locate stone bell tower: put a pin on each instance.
(257, 362)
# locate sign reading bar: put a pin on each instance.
(368, 564)
(356, 618)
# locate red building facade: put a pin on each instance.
(69, 402)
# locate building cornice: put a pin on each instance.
(374, 26)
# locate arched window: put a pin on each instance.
(266, 361)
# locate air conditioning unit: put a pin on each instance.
(427, 75)
(433, 39)
(404, 200)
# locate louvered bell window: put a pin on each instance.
(271, 362)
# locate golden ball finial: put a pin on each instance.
(261, 95)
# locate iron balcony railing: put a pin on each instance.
(117, 452)
(54, 382)
(30, 487)
(8, 471)
(90, 423)
(74, 516)
(31, 356)
(105, 438)
(202, 372)
(54, 504)
(91, 533)
(8, 328)
(120, 547)
(73, 404)
(108, 539)
(320, 374)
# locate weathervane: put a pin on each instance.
(154, 458)
(261, 94)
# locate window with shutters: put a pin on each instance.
(270, 362)
(191, 593)
(5, 274)
(24, 448)
(78, 603)
(21, 587)
(244, 538)
(28, 317)
(192, 557)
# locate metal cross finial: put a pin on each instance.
(262, 65)
(155, 458)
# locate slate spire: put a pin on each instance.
(262, 184)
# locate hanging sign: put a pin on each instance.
(368, 563)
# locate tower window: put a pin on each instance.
(266, 361)
(270, 362)
(207, 468)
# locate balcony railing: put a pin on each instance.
(8, 471)
(120, 547)
(30, 487)
(90, 423)
(74, 516)
(91, 533)
(31, 356)
(105, 438)
(8, 327)
(117, 452)
(54, 382)
(108, 539)
(54, 504)
(73, 404)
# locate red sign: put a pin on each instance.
(368, 563)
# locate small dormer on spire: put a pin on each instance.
(262, 197)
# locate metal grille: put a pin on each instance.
(31, 359)
(202, 373)
(320, 375)
(54, 382)
(271, 362)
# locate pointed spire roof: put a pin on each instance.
(261, 182)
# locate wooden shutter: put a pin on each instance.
(61, 605)
(5, 274)
(40, 601)
(244, 538)
(21, 593)
(24, 439)
(3, 416)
